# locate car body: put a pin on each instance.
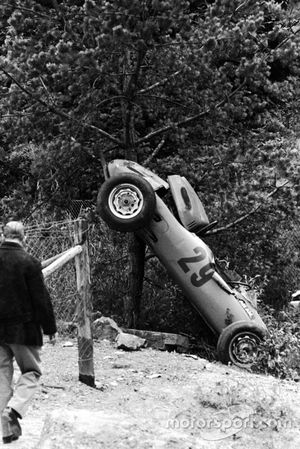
(123, 202)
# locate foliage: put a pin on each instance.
(280, 352)
(207, 90)
(283, 277)
(125, 73)
(264, 246)
(71, 88)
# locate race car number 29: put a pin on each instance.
(204, 274)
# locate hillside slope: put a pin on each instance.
(152, 399)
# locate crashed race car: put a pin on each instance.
(295, 300)
(131, 200)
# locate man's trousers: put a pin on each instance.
(28, 360)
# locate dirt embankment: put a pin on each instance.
(153, 399)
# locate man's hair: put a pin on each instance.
(14, 230)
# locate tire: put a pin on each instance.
(126, 202)
(238, 343)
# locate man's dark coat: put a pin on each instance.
(25, 304)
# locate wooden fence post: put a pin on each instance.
(84, 306)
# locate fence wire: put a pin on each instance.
(73, 311)
(44, 241)
(291, 271)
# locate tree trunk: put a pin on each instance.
(136, 247)
(132, 299)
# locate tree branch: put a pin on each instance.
(248, 214)
(159, 83)
(60, 113)
(129, 108)
(107, 100)
(287, 38)
(37, 13)
(46, 90)
(189, 120)
(168, 100)
(154, 153)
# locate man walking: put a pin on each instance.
(25, 311)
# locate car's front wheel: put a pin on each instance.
(239, 342)
(126, 202)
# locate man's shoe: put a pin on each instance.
(11, 429)
(9, 439)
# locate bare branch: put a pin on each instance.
(60, 15)
(159, 83)
(18, 114)
(37, 13)
(248, 214)
(168, 100)
(154, 153)
(107, 100)
(288, 38)
(46, 90)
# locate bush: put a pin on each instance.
(279, 354)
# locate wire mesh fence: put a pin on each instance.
(44, 241)
(69, 285)
(291, 237)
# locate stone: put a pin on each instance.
(295, 304)
(130, 342)
(162, 340)
(105, 328)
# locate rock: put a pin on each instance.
(295, 304)
(162, 340)
(68, 344)
(105, 328)
(296, 295)
(130, 342)
(191, 356)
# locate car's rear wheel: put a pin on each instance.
(239, 343)
(126, 202)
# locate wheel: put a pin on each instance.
(126, 202)
(238, 343)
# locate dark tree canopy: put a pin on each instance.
(209, 89)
